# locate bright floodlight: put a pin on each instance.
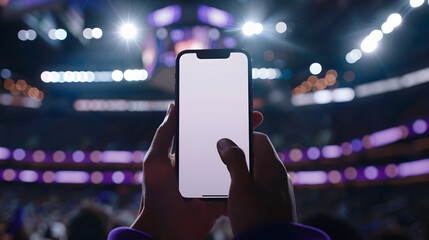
(31, 34)
(117, 75)
(248, 28)
(386, 28)
(395, 19)
(416, 3)
(60, 34)
(128, 31)
(97, 33)
(258, 28)
(376, 35)
(87, 33)
(315, 68)
(368, 44)
(353, 56)
(281, 27)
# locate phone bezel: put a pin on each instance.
(213, 54)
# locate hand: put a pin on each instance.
(265, 198)
(164, 213)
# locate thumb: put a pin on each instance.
(234, 159)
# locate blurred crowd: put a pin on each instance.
(86, 212)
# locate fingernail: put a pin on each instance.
(170, 106)
(224, 143)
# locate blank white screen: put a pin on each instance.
(213, 98)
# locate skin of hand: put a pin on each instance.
(164, 214)
(264, 198)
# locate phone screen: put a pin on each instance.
(213, 103)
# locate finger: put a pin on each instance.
(268, 169)
(257, 119)
(234, 159)
(162, 141)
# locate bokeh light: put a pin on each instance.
(18, 154)
(96, 177)
(48, 177)
(416, 3)
(118, 177)
(58, 156)
(295, 155)
(39, 156)
(350, 173)
(315, 68)
(334, 176)
(370, 172)
(9, 174)
(97, 33)
(313, 153)
(420, 126)
(281, 27)
(128, 31)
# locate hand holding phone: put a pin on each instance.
(266, 197)
(164, 213)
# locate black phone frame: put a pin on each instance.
(213, 54)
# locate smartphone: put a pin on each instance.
(213, 101)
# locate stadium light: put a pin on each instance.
(251, 28)
(315, 68)
(416, 3)
(369, 44)
(128, 31)
(281, 27)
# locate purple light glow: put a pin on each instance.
(138, 156)
(347, 148)
(118, 177)
(413, 168)
(165, 16)
(420, 126)
(78, 156)
(138, 177)
(95, 156)
(313, 153)
(385, 137)
(169, 59)
(295, 155)
(116, 157)
(97, 177)
(18, 154)
(59, 156)
(334, 176)
(229, 42)
(356, 145)
(28, 176)
(215, 17)
(370, 172)
(177, 35)
(71, 177)
(332, 151)
(391, 170)
(311, 177)
(4, 153)
(350, 173)
(366, 142)
(9, 174)
(39, 156)
(48, 177)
